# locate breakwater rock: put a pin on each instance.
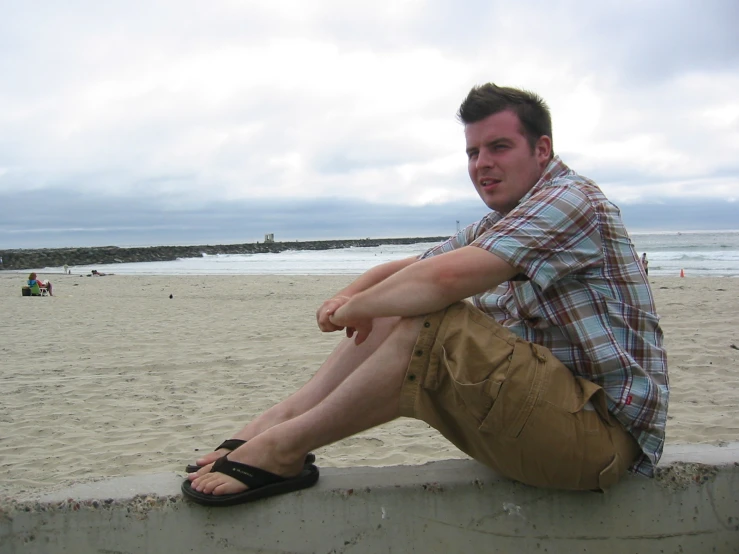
(57, 257)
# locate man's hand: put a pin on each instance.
(343, 318)
(325, 312)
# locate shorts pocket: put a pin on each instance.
(585, 391)
(475, 384)
(518, 394)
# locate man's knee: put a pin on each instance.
(409, 328)
(403, 335)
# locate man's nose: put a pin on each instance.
(484, 159)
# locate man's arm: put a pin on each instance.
(376, 275)
(365, 281)
(426, 286)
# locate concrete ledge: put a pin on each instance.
(447, 507)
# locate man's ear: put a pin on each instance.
(543, 150)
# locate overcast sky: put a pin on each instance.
(132, 122)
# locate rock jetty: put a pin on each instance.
(57, 257)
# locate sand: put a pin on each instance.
(111, 377)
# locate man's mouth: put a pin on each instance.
(489, 184)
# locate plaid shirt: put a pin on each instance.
(583, 294)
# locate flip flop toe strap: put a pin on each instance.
(251, 476)
(231, 444)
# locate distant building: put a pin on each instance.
(269, 237)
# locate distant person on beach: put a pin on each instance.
(32, 280)
(553, 373)
(645, 263)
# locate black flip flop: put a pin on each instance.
(233, 444)
(261, 483)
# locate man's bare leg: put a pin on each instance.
(367, 397)
(345, 358)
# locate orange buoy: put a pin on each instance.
(682, 273)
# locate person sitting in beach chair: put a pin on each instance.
(554, 374)
(39, 287)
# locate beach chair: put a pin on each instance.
(36, 290)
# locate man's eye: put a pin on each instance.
(471, 155)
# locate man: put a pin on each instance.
(554, 376)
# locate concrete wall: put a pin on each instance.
(445, 507)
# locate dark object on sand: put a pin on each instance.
(171, 296)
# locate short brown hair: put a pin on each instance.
(486, 100)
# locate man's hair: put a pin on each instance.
(486, 100)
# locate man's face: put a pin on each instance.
(500, 161)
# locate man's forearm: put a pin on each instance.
(430, 285)
(376, 275)
(412, 291)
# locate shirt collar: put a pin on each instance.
(554, 169)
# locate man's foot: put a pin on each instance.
(259, 483)
(256, 453)
(223, 449)
(270, 418)
(211, 457)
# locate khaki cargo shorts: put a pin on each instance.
(512, 405)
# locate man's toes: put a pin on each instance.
(204, 470)
(210, 485)
(227, 485)
(211, 457)
(217, 484)
(223, 488)
(204, 483)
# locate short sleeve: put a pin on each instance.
(465, 237)
(552, 235)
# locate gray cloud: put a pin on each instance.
(63, 218)
(172, 112)
(648, 41)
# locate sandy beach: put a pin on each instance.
(112, 377)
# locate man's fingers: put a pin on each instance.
(326, 312)
(328, 327)
(325, 324)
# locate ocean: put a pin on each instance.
(698, 254)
